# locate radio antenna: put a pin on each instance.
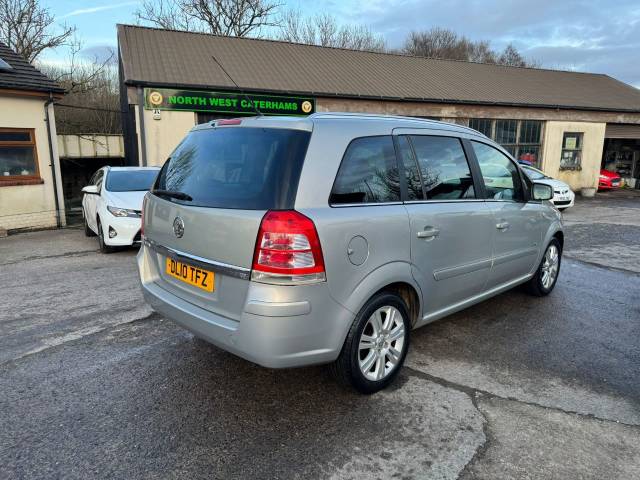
(260, 114)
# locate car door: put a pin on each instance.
(451, 226)
(517, 222)
(90, 202)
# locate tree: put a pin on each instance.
(510, 56)
(447, 44)
(29, 29)
(323, 30)
(91, 103)
(238, 18)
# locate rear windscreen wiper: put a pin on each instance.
(172, 194)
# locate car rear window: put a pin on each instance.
(130, 180)
(368, 173)
(237, 167)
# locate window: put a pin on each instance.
(97, 179)
(521, 138)
(18, 157)
(500, 175)
(92, 180)
(506, 132)
(571, 158)
(130, 180)
(368, 173)
(444, 168)
(414, 182)
(482, 125)
(533, 173)
(4, 65)
(236, 167)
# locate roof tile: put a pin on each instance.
(23, 75)
(167, 57)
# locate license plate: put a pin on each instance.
(615, 184)
(186, 273)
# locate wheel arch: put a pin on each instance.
(559, 235)
(409, 294)
(393, 277)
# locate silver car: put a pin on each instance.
(327, 239)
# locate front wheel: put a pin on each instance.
(376, 345)
(104, 248)
(545, 278)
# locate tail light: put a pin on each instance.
(287, 250)
(144, 204)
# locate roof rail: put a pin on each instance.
(378, 116)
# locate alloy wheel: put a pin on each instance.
(381, 343)
(550, 266)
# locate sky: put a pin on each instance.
(600, 36)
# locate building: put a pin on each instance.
(30, 188)
(567, 123)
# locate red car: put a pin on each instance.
(608, 180)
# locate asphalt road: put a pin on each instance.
(93, 384)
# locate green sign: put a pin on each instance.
(224, 102)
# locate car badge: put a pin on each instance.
(178, 227)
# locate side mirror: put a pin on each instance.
(542, 191)
(91, 190)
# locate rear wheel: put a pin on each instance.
(546, 276)
(104, 248)
(376, 345)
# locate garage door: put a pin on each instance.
(621, 130)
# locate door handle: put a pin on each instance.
(428, 233)
(502, 225)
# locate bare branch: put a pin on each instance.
(92, 103)
(323, 30)
(29, 29)
(444, 43)
(168, 14)
(237, 18)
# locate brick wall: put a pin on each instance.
(31, 220)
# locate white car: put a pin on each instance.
(563, 197)
(112, 204)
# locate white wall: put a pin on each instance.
(163, 135)
(30, 206)
(593, 143)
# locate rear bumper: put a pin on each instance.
(304, 326)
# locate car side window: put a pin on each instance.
(98, 179)
(444, 168)
(414, 182)
(501, 176)
(368, 173)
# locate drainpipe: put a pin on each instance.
(143, 137)
(47, 120)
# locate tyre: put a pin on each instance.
(87, 231)
(104, 248)
(376, 345)
(545, 278)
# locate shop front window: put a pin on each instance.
(521, 138)
(18, 157)
(571, 158)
